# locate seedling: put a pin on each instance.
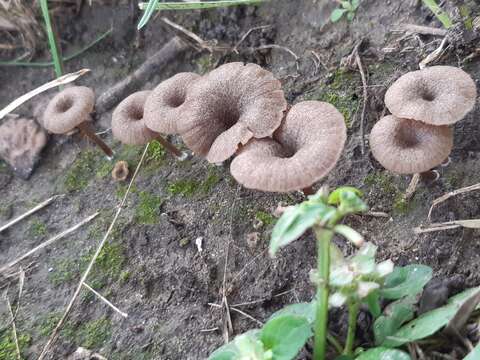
(348, 7)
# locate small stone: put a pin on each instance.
(21, 141)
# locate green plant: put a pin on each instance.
(7, 344)
(154, 5)
(348, 7)
(441, 15)
(52, 39)
(148, 208)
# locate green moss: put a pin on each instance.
(37, 228)
(183, 187)
(95, 333)
(210, 181)
(125, 276)
(205, 64)
(8, 349)
(148, 208)
(129, 153)
(266, 218)
(341, 93)
(465, 13)
(383, 182)
(104, 170)
(107, 266)
(156, 153)
(81, 171)
(47, 323)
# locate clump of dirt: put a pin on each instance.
(152, 269)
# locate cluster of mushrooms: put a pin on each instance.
(235, 110)
(417, 137)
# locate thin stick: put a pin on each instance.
(29, 212)
(125, 315)
(424, 30)
(48, 242)
(54, 335)
(65, 79)
(238, 311)
(14, 329)
(246, 35)
(469, 224)
(451, 194)
(365, 97)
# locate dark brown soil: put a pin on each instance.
(152, 269)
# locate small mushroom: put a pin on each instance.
(120, 171)
(303, 150)
(128, 124)
(229, 106)
(438, 95)
(407, 146)
(163, 107)
(71, 109)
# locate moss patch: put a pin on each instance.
(107, 267)
(267, 219)
(205, 63)
(81, 171)
(7, 344)
(37, 228)
(183, 187)
(188, 188)
(341, 92)
(210, 181)
(148, 208)
(93, 334)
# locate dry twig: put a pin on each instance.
(14, 329)
(102, 298)
(451, 194)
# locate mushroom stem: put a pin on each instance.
(87, 130)
(429, 176)
(308, 191)
(169, 146)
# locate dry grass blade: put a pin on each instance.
(14, 329)
(102, 298)
(469, 224)
(451, 194)
(48, 242)
(29, 212)
(65, 79)
(59, 325)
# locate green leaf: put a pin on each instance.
(373, 303)
(194, 5)
(285, 336)
(350, 202)
(382, 353)
(337, 14)
(439, 13)
(150, 8)
(474, 354)
(247, 344)
(295, 221)
(406, 281)
(350, 15)
(350, 234)
(306, 310)
(430, 322)
(334, 197)
(396, 314)
(355, 4)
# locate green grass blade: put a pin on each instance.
(54, 49)
(439, 13)
(64, 59)
(198, 4)
(149, 9)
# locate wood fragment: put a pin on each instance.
(133, 82)
(423, 30)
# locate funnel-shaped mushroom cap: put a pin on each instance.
(229, 106)
(68, 109)
(128, 125)
(438, 95)
(163, 108)
(304, 149)
(407, 146)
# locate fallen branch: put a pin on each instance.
(133, 82)
(29, 212)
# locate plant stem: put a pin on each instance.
(324, 237)
(353, 307)
(52, 39)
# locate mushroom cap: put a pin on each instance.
(163, 108)
(304, 149)
(69, 108)
(128, 124)
(407, 146)
(229, 106)
(437, 95)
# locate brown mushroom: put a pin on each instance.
(120, 171)
(407, 146)
(303, 150)
(128, 124)
(71, 109)
(163, 108)
(229, 106)
(438, 95)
